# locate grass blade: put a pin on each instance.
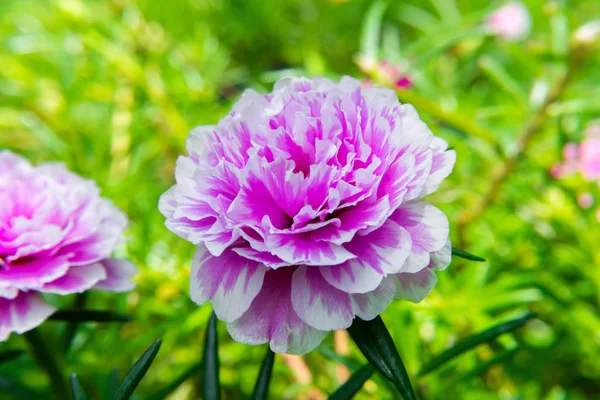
(80, 300)
(10, 355)
(211, 388)
(194, 369)
(481, 368)
(17, 391)
(474, 340)
(137, 372)
(331, 355)
(78, 391)
(261, 388)
(89, 316)
(466, 256)
(111, 384)
(376, 344)
(353, 384)
(371, 31)
(46, 359)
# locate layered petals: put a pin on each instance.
(230, 282)
(271, 319)
(327, 308)
(56, 236)
(23, 313)
(306, 205)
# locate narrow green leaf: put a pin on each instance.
(16, 390)
(376, 344)
(89, 316)
(261, 388)
(71, 328)
(137, 372)
(10, 355)
(78, 391)
(330, 354)
(111, 384)
(500, 76)
(481, 368)
(161, 394)
(353, 384)
(211, 389)
(466, 256)
(474, 340)
(46, 359)
(371, 31)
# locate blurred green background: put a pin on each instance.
(112, 88)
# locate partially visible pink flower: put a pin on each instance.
(404, 83)
(392, 74)
(570, 165)
(56, 236)
(307, 208)
(585, 200)
(510, 22)
(589, 161)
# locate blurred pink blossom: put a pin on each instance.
(585, 200)
(56, 236)
(570, 166)
(511, 22)
(388, 72)
(589, 161)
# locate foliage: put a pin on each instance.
(112, 88)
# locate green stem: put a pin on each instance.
(45, 359)
(72, 326)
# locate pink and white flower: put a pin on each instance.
(307, 208)
(583, 157)
(511, 22)
(56, 236)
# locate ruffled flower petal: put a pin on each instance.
(414, 286)
(378, 253)
(76, 280)
(326, 308)
(118, 275)
(271, 319)
(22, 314)
(230, 281)
(428, 228)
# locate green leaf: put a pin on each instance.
(330, 354)
(473, 341)
(369, 42)
(353, 384)
(111, 384)
(500, 76)
(376, 344)
(481, 368)
(161, 394)
(17, 390)
(261, 388)
(89, 316)
(211, 389)
(10, 355)
(46, 359)
(137, 372)
(78, 391)
(466, 256)
(80, 300)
